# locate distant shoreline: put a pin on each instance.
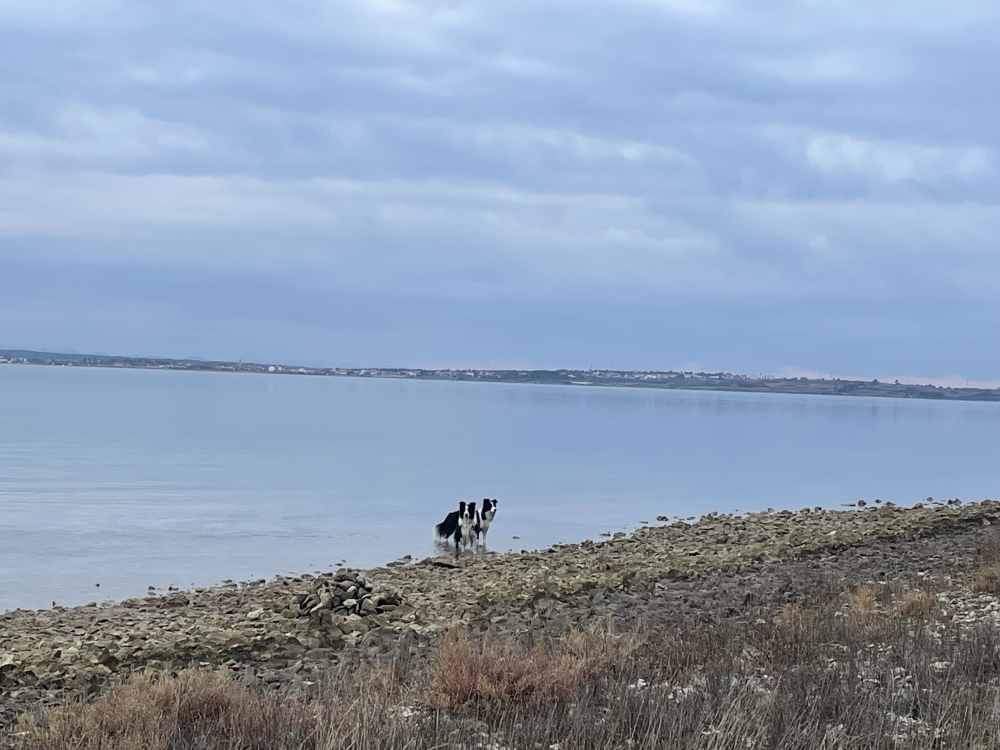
(653, 379)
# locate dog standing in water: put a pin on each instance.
(453, 526)
(472, 533)
(467, 526)
(486, 517)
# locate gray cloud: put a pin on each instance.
(624, 157)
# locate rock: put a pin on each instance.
(325, 602)
(649, 575)
(354, 624)
(387, 598)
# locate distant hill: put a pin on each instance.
(664, 379)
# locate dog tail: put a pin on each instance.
(440, 535)
(446, 529)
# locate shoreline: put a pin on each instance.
(289, 630)
(567, 378)
(446, 552)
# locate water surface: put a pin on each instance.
(134, 478)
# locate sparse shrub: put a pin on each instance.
(916, 603)
(188, 711)
(791, 616)
(805, 676)
(863, 600)
(498, 674)
(988, 551)
(987, 580)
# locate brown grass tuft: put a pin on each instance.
(162, 714)
(863, 600)
(503, 674)
(987, 580)
(916, 604)
(862, 606)
(791, 616)
(988, 551)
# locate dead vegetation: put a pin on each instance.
(491, 675)
(987, 580)
(917, 604)
(876, 666)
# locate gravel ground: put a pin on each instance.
(289, 630)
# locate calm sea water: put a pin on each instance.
(132, 478)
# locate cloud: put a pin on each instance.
(80, 135)
(63, 14)
(545, 240)
(689, 8)
(827, 68)
(841, 154)
(643, 153)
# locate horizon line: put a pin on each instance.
(787, 373)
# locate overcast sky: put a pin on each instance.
(776, 186)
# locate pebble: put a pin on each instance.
(291, 627)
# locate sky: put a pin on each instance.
(785, 186)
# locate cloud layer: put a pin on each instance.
(508, 177)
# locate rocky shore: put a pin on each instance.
(288, 631)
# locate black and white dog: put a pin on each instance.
(467, 526)
(489, 512)
(456, 525)
(472, 538)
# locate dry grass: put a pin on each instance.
(917, 604)
(987, 577)
(864, 600)
(987, 580)
(799, 677)
(187, 711)
(200, 710)
(988, 551)
(500, 674)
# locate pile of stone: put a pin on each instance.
(345, 593)
(343, 605)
